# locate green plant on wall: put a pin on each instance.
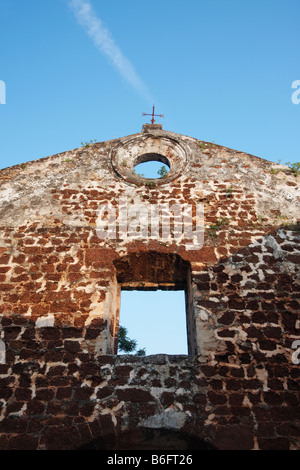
(229, 191)
(213, 228)
(295, 168)
(293, 226)
(138, 174)
(275, 171)
(87, 144)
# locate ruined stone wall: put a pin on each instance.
(62, 384)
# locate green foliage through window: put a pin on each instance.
(128, 345)
(162, 172)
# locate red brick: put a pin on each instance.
(64, 393)
(4, 259)
(217, 398)
(234, 438)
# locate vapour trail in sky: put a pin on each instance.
(94, 27)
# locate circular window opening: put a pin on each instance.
(152, 166)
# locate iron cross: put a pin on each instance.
(153, 120)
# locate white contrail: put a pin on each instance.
(101, 37)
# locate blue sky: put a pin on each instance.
(156, 319)
(219, 71)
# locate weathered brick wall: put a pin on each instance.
(62, 384)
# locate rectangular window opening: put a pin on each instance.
(155, 320)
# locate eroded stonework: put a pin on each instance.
(62, 384)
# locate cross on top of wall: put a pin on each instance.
(153, 120)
